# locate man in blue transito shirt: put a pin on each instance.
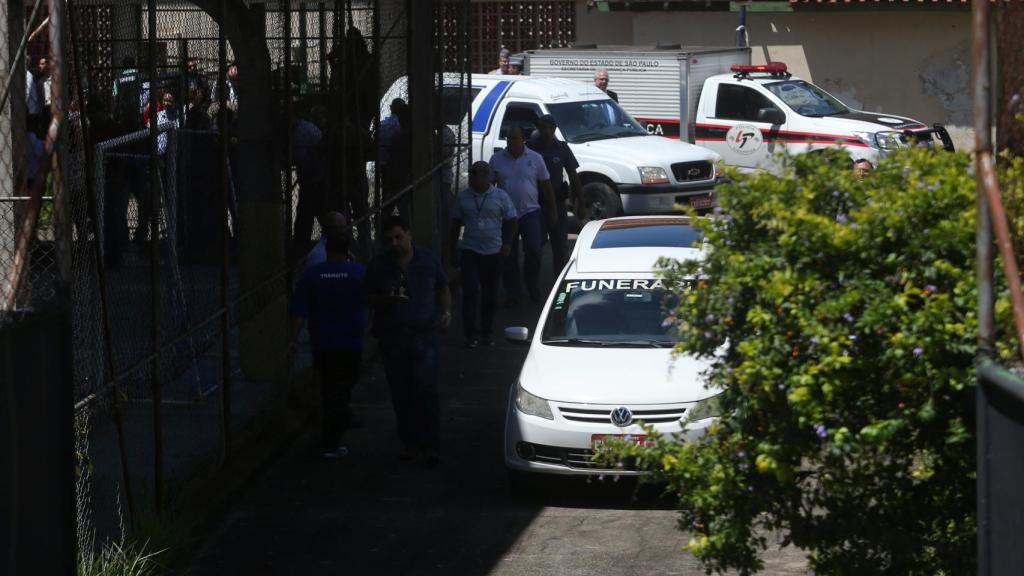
(330, 296)
(489, 218)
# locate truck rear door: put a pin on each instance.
(741, 123)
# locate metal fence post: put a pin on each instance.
(225, 190)
(154, 261)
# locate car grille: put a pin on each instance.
(603, 415)
(690, 171)
(577, 458)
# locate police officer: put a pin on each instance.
(559, 160)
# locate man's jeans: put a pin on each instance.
(339, 372)
(411, 367)
(530, 230)
(559, 238)
(480, 274)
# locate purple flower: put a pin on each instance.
(741, 454)
(836, 194)
(782, 387)
(918, 351)
(709, 318)
(750, 488)
(708, 335)
(1014, 100)
(931, 289)
(821, 431)
(854, 226)
(842, 219)
(852, 337)
(717, 211)
(848, 317)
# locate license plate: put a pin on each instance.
(597, 440)
(700, 202)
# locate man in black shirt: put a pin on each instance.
(408, 292)
(559, 159)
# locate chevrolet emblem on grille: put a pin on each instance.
(622, 417)
(693, 172)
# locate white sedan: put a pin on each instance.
(600, 359)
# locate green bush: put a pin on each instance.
(840, 318)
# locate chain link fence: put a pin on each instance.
(177, 257)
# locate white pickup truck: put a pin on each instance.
(715, 98)
(623, 168)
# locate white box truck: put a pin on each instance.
(715, 98)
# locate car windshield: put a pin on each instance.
(806, 99)
(611, 312)
(594, 120)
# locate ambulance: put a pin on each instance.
(623, 168)
(748, 114)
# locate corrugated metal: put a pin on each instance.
(648, 83)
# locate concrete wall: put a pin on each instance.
(915, 64)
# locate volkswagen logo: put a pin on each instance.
(622, 417)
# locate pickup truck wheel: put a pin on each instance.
(600, 201)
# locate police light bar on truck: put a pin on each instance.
(773, 68)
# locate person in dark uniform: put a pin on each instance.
(331, 296)
(408, 291)
(559, 160)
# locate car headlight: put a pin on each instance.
(653, 175)
(533, 405)
(706, 408)
(889, 140)
(867, 138)
(719, 170)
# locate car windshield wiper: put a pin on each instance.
(641, 343)
(631, 133)
(610, 343)
(573, 341)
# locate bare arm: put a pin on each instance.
(444, 301)
(453, 240)
(509, 228)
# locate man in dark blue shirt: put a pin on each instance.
(408, 291)
(330, 296)
(559, 160)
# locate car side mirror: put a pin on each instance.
(517, 335)
(771, 116)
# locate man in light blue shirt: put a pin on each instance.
(521, 172)
(489, 219)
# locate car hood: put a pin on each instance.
(643, 151)
(860, 121)
(613, 375)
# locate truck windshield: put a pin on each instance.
(611, 312)
(806, 99)
(594, 120)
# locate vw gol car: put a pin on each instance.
(600, 359)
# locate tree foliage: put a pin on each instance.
(840, 318)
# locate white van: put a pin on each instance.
(623, 168)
